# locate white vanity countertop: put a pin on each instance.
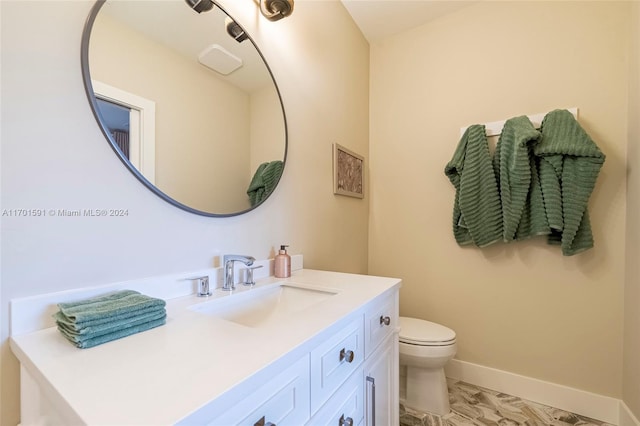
(180, 372)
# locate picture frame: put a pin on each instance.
(348, 172)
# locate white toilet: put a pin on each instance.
(425, 348)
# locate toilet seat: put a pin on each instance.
(419, 332)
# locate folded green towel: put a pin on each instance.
(477, 213)
(94, 340)
(97, 320)
(569, 163)
(62, 319)
(94, 330)
(264, 181)
(523, 211)
(108, 307)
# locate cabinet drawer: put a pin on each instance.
(380, 321)
(334, 360)
(347, 403)
(283, 400)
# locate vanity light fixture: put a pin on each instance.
(275, 10)
(234, 30)
(200, 5)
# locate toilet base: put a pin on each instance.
(427, 390)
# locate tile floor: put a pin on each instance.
(472, 405)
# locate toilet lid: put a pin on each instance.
(421, 332)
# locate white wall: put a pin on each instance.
(522, 307)
(54, 157)
(266, 128)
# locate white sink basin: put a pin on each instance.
(259, 306)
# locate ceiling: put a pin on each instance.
(378, 19)
(175, 26)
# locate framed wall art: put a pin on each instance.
(348, 172)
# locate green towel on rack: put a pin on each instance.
(97, 320)
(523, 213)
(477, 213)
(569, 163)
(264, 181)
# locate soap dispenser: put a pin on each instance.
(282, 263)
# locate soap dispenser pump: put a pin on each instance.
(282, 263)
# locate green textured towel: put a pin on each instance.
(264, 181)
(113, 305)
(477, 213)
(100, 319)
(523, 213)
(91, 340)
(71, 323)
(569, 163)
(80, 333)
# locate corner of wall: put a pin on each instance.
(631, 351)
(626, 417)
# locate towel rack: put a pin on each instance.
(495, 127)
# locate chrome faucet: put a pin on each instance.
(203, 286)
(227, 261)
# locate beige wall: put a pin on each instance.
(267, 128)
(54, 156)
(196, 145)
(523, 307)
(631, 367)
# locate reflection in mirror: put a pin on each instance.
(187, 102)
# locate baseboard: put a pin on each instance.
(587, 404)
(626, 417)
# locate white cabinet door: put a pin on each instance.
(381, 402)
(345, 407)
(283, 400)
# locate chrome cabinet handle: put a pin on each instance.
(385, 320)
(263, 422)
(373, 399)
(345, 421)
(346, 355)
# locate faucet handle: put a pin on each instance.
(203, 285)
(248, 280)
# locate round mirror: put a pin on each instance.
(187, 102)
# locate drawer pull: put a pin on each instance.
(372, 411)
(263, 422)
(385, 320)
(346, 355)
(345, 422)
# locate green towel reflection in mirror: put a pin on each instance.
(264, 181)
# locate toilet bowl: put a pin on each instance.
(425, 348)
